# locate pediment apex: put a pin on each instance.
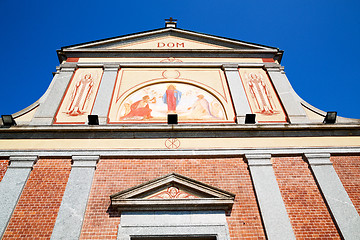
(140, 40)
(173, 179)
(191, 195)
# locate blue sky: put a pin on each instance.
(320, 39)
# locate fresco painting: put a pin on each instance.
(154, 102)
(80, 96)
(148, 95)
(261, 95)
(172, 192)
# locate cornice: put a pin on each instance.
(181, 130)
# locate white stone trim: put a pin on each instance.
(272, 208)
(335, 196)
(173, 223)
(12, 186)
(72, 210)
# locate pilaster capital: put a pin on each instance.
(17, 161)
(258, 159)
(67, 67)
(230, 67)
(274, 67)
(316, 159)
(57, 70)
(85, 161)
(111, 67)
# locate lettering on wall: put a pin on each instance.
(170, 44)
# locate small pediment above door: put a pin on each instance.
(173, 192)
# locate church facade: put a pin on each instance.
(174, 134)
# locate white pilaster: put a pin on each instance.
(344, 213)
(286, 93)
(52, 98)
(237, 92)
(103, 99)
(72, 210)
(273, 212)
(12, 186)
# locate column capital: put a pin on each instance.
(230, 67)
(258, 159)
(85, 161)
(68, 67)
(318, 158)
(22, 161)
(274, 67)
(57, 71)
(111, 67)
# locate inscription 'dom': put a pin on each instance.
(170, 45)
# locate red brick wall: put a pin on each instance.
(35, 214)
(3, 167)
(114, 175)
(307, 211)
(348, 170)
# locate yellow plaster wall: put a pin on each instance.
(181, 143)
(27, 117)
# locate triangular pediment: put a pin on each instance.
(168, 42)
(173, 192)
(168, 39)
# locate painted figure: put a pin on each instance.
(172, 193)
(80, 95)
(260, 94)
(140, 109)
(172, 98)
(201, 108)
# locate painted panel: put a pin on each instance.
(149, 95)
(261, 95)
(168, 42)
(79, 97)
(172, 192)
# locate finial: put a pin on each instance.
(170, 22)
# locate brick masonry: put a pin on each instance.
(114, 175)
(305, 206)
(35, 214)
(348, 170)
(3, 167)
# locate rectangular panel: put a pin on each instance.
(261, 95)
(79, 97)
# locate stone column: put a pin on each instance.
(288, 97)
(12, 186)
(72, 210)
(106, 88)
(237, 92)
(51, 100)
(342, 209)
(273, 212)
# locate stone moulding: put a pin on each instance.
(196, 196)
